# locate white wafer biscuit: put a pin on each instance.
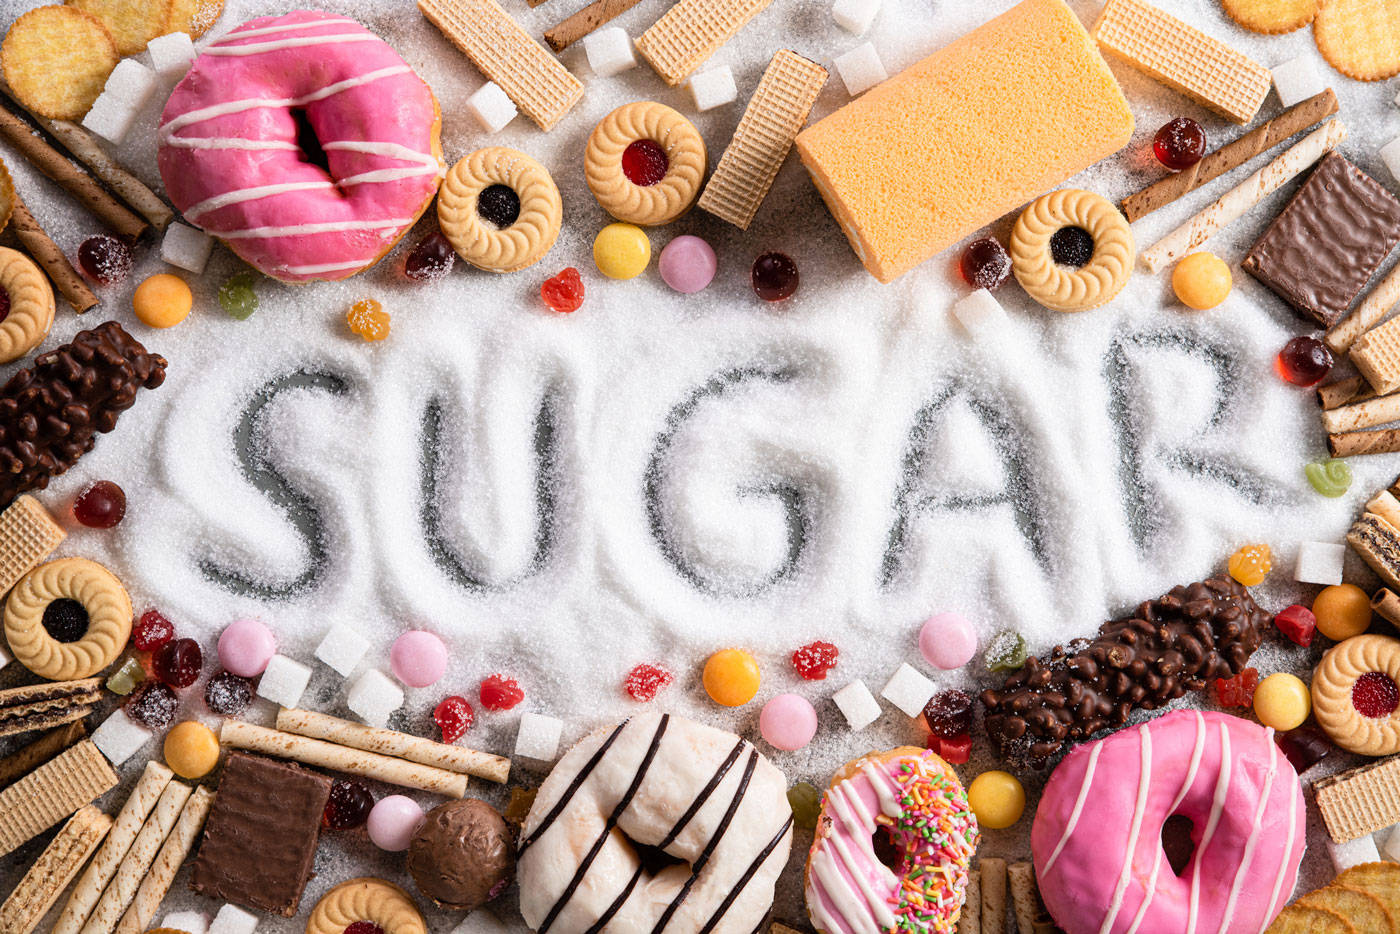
(393, 743)
(53, 870)
(28, 535)
(1377, 356)
(1361, 800)
(775, 115)
(51, 792)
(112, 905)
(691, 31)
(531, 77)
(167, 863)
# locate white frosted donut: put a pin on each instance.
(704, 797)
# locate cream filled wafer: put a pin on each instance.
(177, 846)
(1354, 443)
(393, 743)
(51, 792)
(771, 122)
(53, 870)
(137, 861)
(993, 894)
(1385, 505)
(1378, 544)
(692, 31)
(28, 758)
(1361, 800)
(1361, 321)
(28, 535)
(534, 79)
(970, 921)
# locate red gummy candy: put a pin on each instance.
(644, 162)
(152, 631)
(563, 293)
(1239, 690)
(814, 660)
(644, 682)
(500, 693)
(956, 750)
(100, 506)
(454, 717)
(177, 663)
(347, 807)
(1297, 623)
(1374, 695)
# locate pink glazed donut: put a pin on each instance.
(305, 143)
(1098, 831)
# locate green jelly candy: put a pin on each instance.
(237, 296)
(1331, 478)
(125, 678)
(806, 804)
(1006, 651)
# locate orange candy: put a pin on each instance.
(191, 749)
(731, 677)
(368, 319)
(1251, 564)
(1342, 611)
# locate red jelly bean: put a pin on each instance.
(454, 716)
(644, 682)
(1179, 144)
(1374, 695)
(1297, 623)
(151, 631)
(431, 258)
(814, 660)
(774, 277)
(347, 807)
(177, 663)
(103, 259)
(956, 750)
(1239, 690)
(1304, 361)
(644, 162)
(1304, 747)
(100, 506)
(563, 293)
(985, 264)
(500, 693)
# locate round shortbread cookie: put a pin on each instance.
(194, 16)
(1067, 288)
(1363, 908)
(645, 205)
(365, 899)
(1271, 17)
(1300, 919)
(1335, 704)
(56, 59)
(132, 25)
(101, 596)
(1359, 38)
(31, 305)
(525, 240)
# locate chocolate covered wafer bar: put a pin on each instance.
(1361, 800)
(28, 535)
(53, 870)
(51, 792)
(692, 31)
(1177, 643)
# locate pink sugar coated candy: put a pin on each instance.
(418, 658)
(788, 722)
(245, 648)
(393, 821)
(947, 641)
(687, 264)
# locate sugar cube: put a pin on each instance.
(190, 922)
(131, 83)
(861, 69)
(1353, 852)
(284, 680)
(171, 54)
(233, 920)
(609, 51)
(857, 705)
(480, 922)
(5, 657)
(186, 247)
(342, 648)
(1390, 155)
(713, 88)
(979, 313)
(119, 737)
(908, 690)
(492, 108)
(538, 737)
(373, 696)
(1319, 563)
(1392, 844)
(110, 117)
(855, 16)
(1297, 79)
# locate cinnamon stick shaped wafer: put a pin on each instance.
(1355, 443)
(583, 22)
(993, 894)
(1372, 308)
(1387, 604)
(173, 851)
(1360, 415)
(970, 921)
(46, 253)
(393, 743)
(1344, 392)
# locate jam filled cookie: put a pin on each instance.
(373, 900)
(27, 302)
(644, 163)
(500, 209)
(67, 619)
(1072, 251)
(1355, 695)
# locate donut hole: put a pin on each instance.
(883, 845)
(1178, 841)
(66, 620)
(1072, 246)
(309, 148)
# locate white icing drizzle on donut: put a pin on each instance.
(1139, 809)
(240, 195)
(1217, 807)
(1253, 832)
(230, 142)
(1283, 861)
(323, 267)
(1083, 796)
(866, 911)
(277, 45)
(301, 230)
(879, 781)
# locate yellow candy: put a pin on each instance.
(1201, 281)
(731, 677)
(997, 799)
(621, 251)
(1282, 701)
(1251, 564)
(1342, 611)
(191, 750)
(162, 301)
(368, 319)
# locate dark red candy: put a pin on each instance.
(949, 714)
(644, 682)
(774, 276)
(1375, 695)
(177, 663)
(1239, 690)
(1304, 747)
(564, 293)
(500, 693)
(644, 162)
(152, 705)
(103, 259)
(1179, 144)
(1071, 246)
(985, 264)
(955, 750)
(152, 631)
(1297, 623)
(431, 258)
(66, 620)
(453, 716)
(363, 927)
(100, 506)
(227, 694)
(1304, 361)
(815, 659)
(348, 806)
(498, 205)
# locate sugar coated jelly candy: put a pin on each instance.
(100, 506)
(1239, 690)
(124, 680)
(453, 716)
(806, 803)
(1251, 564)
(644, 682)
(985, 264)
(1331, 478)
(431, 258)
(564, 292)
(1297, 623)
(955, 750)
(236, 296)
(347, 807)
(1179, 144)
(368, 319)
(1304, 361)
(104, 259)
(815, 659)
(1006, 651)
(774, 277)
(500, 693)
(1304, 747)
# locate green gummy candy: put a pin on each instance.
(806, 803)
(1006, 651)
(1331, 478)
(237, 296)
(125, 678)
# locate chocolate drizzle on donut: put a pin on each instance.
(704, 795)
(749, 873)
(572, 790)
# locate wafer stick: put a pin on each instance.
(1344, 392)
(46, 253)
(1232, 155)
(1356, 443)
(162, 872)
(28, 758)
(239, 735)
(138, 807)
(993, 894)
(51, 792)
(1360, 415)
(1360, 800)
(1234, 203)
(1385, 505)
(1387, 604)
(1372, 308)
(583, 22)
(970, 921)
(53, 870)
(137, 861)
(392, 743)
(691, 31)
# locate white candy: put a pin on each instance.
(373, 696)
(1297, 79)
(609, 51)
(538, 737)
(1319, 563)
(713, 88)
(132, 83)
(342, 648)
(186, 247)
(908, 690)
(492, 108)
(980, 314)
(284, 681)
(233, 920)
(857, 705)
(119, 737)
(1390, 155)
(855, 16)
(1353, 852)
(861, 69)
(171, 54)
(191, 922)
(110, 117)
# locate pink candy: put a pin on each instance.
(947, 641)
(687, 264)
(393, 821)
(788, 722)
(245, 648)
(418, 658)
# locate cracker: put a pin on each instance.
(193, 16)
(132, 23)
(691, 31)
(56, 60)
(1300, 919)
(1271, 17)
(51, 792)
(53, 870)
(1364, 910)
(1360, 800)
(1360, 38)
(1379, 879)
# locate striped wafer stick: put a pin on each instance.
(770, 123)
(692, 31)
(393, 743)
(28, 535)
(1372, 308)
(531, 77)
(1344, 392)
(137, 861)
(53, 870)
(162, 872)
(51, 792)
(1386, 603)
(1361, 415)
(1356, 443)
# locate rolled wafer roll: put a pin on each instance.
(1031, 914)
(1367, 315)
(1358, 415)
(993, 894)
(137, 861)
(239, 735)
(1356, 443)
(1385, 505)
(53, 870)
(970, 921)
(586, 20)
(40, 246)
(1387, 603)
(100, 871)
(172, 854)
(1234, 203)
(1344, 392)
(393, 743)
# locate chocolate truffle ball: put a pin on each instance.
(462, 856)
